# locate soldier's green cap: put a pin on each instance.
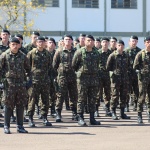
(41, 38)
(19, 36)
(97, 39)
(53, 40)
(147, 38)
(105, 39)
(36, 33)
(5, 31)
(113, 38)
(15, 40)
(90, 36)
(120, 42)
(134, 37)
(68, 35)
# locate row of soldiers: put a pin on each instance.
(83, 72)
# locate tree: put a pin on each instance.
(15, 14)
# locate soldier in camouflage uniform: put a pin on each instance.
(97, 43)
(104, 77)
(118, 64)
(142, 65)
(112, 46)
(66, 78)
(51, 45)
(41, 64)
(132, 51)
(13, 67)
(86, 63)
(81, 41)
(4, 45)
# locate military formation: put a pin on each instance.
(84, 72)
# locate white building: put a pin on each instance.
(120, 18)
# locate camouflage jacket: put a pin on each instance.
(3, 48)
(29, 47)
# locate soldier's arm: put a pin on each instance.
(2, 61)
(76, 60)
(27, 67)
(109, 64)
(29, 56)
(137, 62)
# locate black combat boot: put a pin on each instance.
(45, 121)
(96, 114)
(81, 121)
(114, 116)
(74, 114)
(1, 125)
(139, 119)
(135, 106)
(122, 114)
(13, 118)
(92, 119)
(107, 109)
(7, 115)
(31, 123)
(25, 119)
(58, 115)
(1, 115)
(20, 129)
(53, 112)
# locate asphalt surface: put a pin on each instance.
(67, 135)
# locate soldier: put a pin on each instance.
(97, 43)
(40, 61)
(66, 78)
(81, 41)
(13, 65)
(51, 45)
(61, 42)
(86, 63)
(104, 77)
(32, 45)
(132, 51)
(142, 65)
(113, 41)
(75, 42)
(4, 45)
(118, 64)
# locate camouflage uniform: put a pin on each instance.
(41, 64)
(104, 80)
(118, 65)
(23, 50)
(13, 68)
(86, 64)
(66, 79)
(29, 47)
(142, 63)
(133, 84)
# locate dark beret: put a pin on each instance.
(36, 33)
(76, 40)
(90, 36)
(83, 35)
(53, 40)
(46, 38)
(147, 38)
(15, 40)
(5, 30)
(97, 39)
(40, 38)
(134, 37)
(67, 35)
(120, 42)
(113, 38)
(19, 35)
(105, 39)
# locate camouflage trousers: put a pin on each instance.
(36, 91)
(15, 95)
(87, 92)
(144, 89)
(66, 85)
(104, 87)
(52, 95)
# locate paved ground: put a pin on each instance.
(112, 135)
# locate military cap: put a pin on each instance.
(83, 35)
(53, 40)
(90, 36)
(134, 37)
(68, 36)
(40, 38)
(36, 33)
(19, 35)
(5, 30)
(76, 40)
(97, 39)
(147, 38)
(46, 38)
(15, 40)
(113, 38)
(105, 39)
(120, 42)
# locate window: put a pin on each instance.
(85, 3)
(46, 3)
(124, 4)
